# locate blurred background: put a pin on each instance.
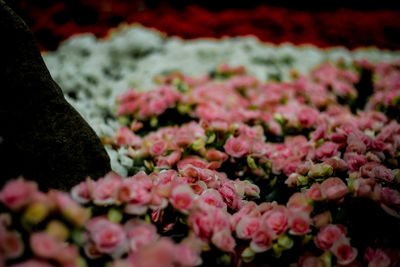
(347, 23)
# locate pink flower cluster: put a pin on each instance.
(386, 96)
(54, 210)
(264, 171)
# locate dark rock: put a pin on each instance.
(43, 137)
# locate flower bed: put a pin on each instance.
(227, 169)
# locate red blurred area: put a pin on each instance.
(54, 21)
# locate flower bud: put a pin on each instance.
(285, 242)
(58, 230)
(320, 171)
(251, 163)
(248, 255)
(35, 213)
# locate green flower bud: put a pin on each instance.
(183, 108)
(279, 118)
(198, 144)
(114, 215)
(302, 180)
(248, 255)
(251, 163)
(35, 213)
(320, 171)
(285, 242)
(153, 122)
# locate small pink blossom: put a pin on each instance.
(315, 192)
(377, 258)
(159, 253)
(298, 202)
(105, 189)
(345, 254)
(262, 240)
(186, 256)
(390, 201)
(158, 148)
(383, 173)
(334, 188)
(125, 137)
(108, 237)
(308, 117)
(223, 240)
(327, 150)
(229, 194)
(17, 193)
(237, 147)
(354, 161)
(322, 219)
(213, 197)
(276, 219)
(170, 160)
(182, 198)
(81, 193)
(328, 235)
(310, 261)
(44, 245)
(11, 245)
(247, 227)
(32, 263)
(139, 234)
(299, 224)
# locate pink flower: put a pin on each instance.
(213, 197)
(228, 192)
(237, 147)
(140, 233)
(308, 117)
(170, 160)
(299, 202)
(355, 143)
(105, 189)
(299, 224)
(182, 198)
(71, 210)
(192, 160)
(377, 258)
(186, 256)
(327, 150)
(383, 173)
(160, 253)
(354, 161)
(322, 219)
(81, 193)
(315, 192)
(32, 263)
(328, 235)
(215, 155)
(17, 193)
(334, 188)
(390, 201)
(247, 227)
(276, 219)
(158, 148)
(125, 137)
(108, 237)
(11, 245)
(345, 254)
(262, 240)
(223, 240)
(310, 261)
(44, 245)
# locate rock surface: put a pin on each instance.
(42, 136)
